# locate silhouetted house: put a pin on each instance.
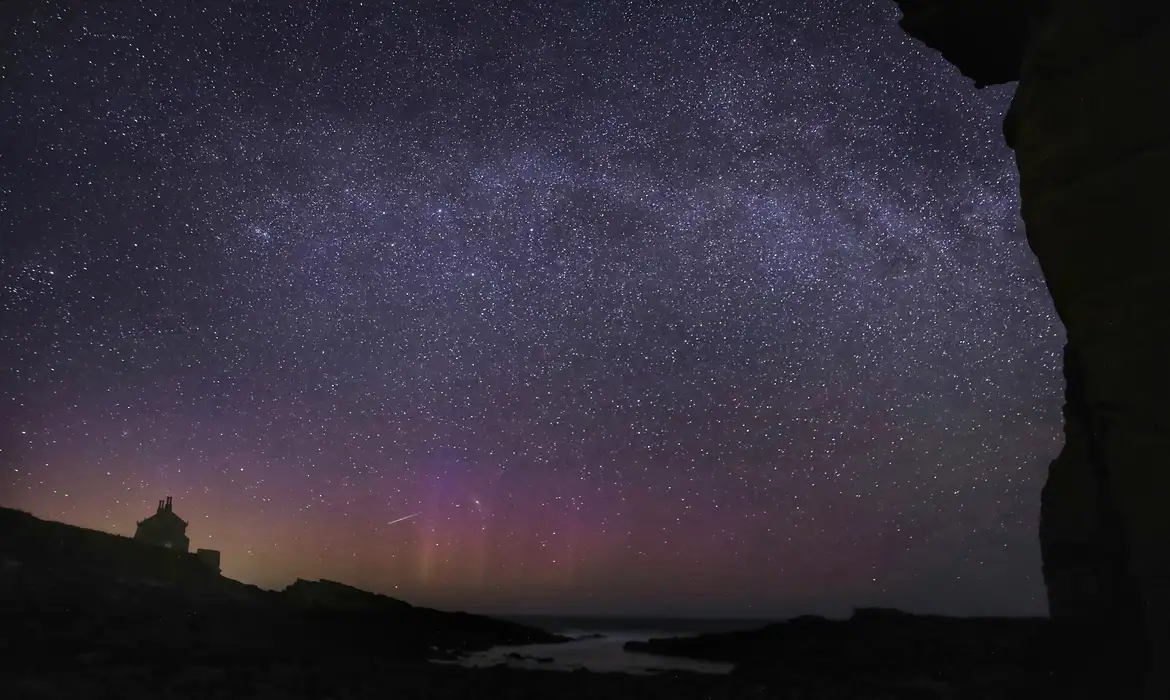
(165, 529)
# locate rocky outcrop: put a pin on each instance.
(881, 648)
(984, 39)
(338, 596)
(1089, 127)
(889, 639)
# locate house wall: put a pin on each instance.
(168, 537)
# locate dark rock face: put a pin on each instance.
(1090, 126)
(963, 32)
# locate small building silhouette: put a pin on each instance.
(165, 529)
(209, 557)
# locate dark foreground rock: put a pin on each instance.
(890, 651)
(890, 639)
(339, 680)
(373, 678)
(84, 614)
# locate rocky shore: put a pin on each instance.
(891, 653)
(85, 614)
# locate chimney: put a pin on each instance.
(160, 505)
(168, 503)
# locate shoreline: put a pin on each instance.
(89, 614)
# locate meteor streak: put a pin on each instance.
(405, 517)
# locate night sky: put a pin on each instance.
(704, 308)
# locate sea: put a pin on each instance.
(597, 644)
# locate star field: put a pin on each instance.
(661, 307)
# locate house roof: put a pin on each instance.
(165, 518)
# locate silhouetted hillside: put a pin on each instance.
(325, 594)
(66, 589)
(45, 559)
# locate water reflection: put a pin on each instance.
(593, 651)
